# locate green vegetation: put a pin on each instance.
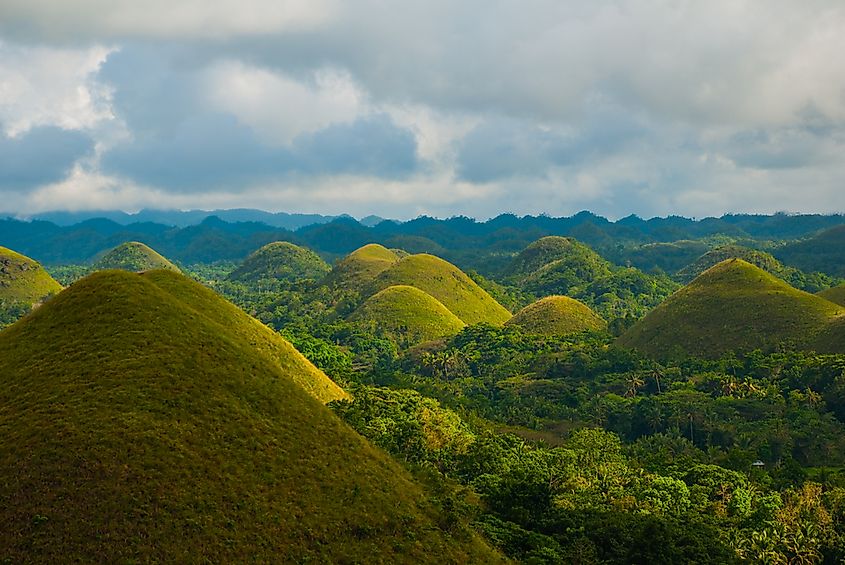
(823, 252)
(448, 284)
(360, 267)
(557, 265)
(835, 294)
(732, 306)
(281, 260)
(135, 257)
(811, 283)
(23, 284)
(139, 428)
(557, 315)
(408, 315)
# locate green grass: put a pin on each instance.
(714, 256)
(23, 280)
(832, 338)
(408, 314)
(133, 256)
(281, 260)
(448, 284)
(835, 294)
(732, 306)
(557, 315)
(139, 428)
(557, 265)
(359, 268)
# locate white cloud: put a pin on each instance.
(64, 20)
(45, 86)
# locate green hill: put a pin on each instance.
(835, 294)
(718, 254)
(557, 315)
(832, 338)
(557, 265)
(23, 280)
(281, 260)
(732, 306)
(133, 256)
(23, 284)
(408, 314)
(448, 284)
(823, 252)
(140, 426)
(361, 266)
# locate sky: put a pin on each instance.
(431, 107)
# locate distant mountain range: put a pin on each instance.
(184, 218)
(816, 241)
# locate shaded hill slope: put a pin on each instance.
(732, 306)
(556, 265)
(408, 314)
(133, 256)
(714, 256)
(557, 315)
(281, 260)
(138, 429)
(448, 284)
(835, 294)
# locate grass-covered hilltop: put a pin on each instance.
(408, 314)
(732, 306)
(281, 260)
(534, 389)
(135, 257)
(23, 284)
(445, 282)
(557, 315)
(141, 421)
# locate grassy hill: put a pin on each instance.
(133, 256)
(448, 284)
(835, 294)
(23, 280)
(557, 315)
(281, 260)
(23, 283)
(761, 259)
(556, 265)
(732, 306)
(361, 266)
(140, 424)
(408, 314)
(824, 252)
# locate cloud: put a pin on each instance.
(41, 155)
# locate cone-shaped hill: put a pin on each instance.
(557, 265)
(448, 284)
(133, 256)
(557, 315)
(835, 294)
(139, 428)
(23, 280)
(281, 260)
(724, 252)
(408, 314)
(731, 306)
(360, 267)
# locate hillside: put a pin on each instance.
(835, 294)
(557, 315)
(133, 256)
(281, 260)
(361, 266)
(448, 284)
(718, 254)
(823, 252)
(732, 306)
(408, 314)
(556, 265)
(23, 280)
(138, 427)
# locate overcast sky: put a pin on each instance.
(439, 107)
